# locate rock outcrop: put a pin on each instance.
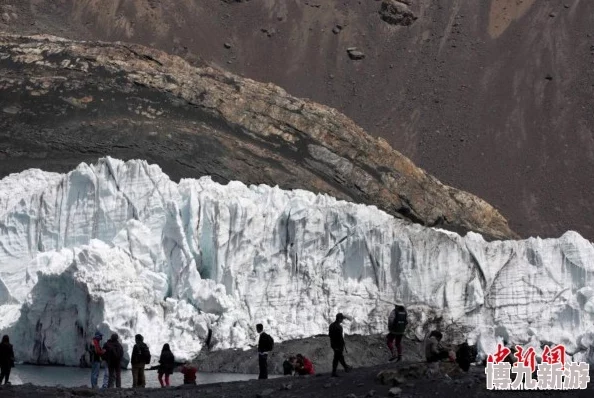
(64, 102)
(456, 91)
(397, 12)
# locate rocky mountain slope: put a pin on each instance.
(64, 102)
(494, 97)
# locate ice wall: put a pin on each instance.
(119, 247)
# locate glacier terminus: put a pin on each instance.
(118, 247)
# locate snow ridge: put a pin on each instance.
(117, 246)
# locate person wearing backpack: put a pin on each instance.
(141, 356)
(397, 321)
(265, 345)
(166, 365)
(96, 353)
(114, 352)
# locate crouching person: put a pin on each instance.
(189, 371)
(304, 366)
(434, 351)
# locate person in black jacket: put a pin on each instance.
(264, 346)
(140, 357)
(166, 365)
(6, 359)
(114, 352)
(289, 366)
(337, 344)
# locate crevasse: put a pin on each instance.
(119, 247)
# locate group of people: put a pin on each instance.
(298, 365)
(110, 356)
(435, 351)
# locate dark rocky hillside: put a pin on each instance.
(64, 102)
(494, 97)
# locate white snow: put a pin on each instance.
(119, 247)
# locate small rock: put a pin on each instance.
(12, 110)
(351, 396)
(287, 386)
(336, 30)
(360, 384)
(355, 54)
(370, 394)
(227, 45)
(269, 32)
(395, 392)
(552, 15)
(549, 77)
(391, 376)
(327, 385)
(266, 393)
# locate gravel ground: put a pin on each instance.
(368, 355)
(361, 382)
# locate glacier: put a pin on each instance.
(118, 247)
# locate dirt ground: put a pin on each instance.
(362, 351)
(367, 354)
(361, 382)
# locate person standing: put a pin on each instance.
(6, 359)
(96, 355)
(114, 352)
(166, 365)
(396, 326)
(265, 345)
(141, 356)
(338, 345)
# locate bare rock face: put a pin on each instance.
(397, 12)
(64, 102)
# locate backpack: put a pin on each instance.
(397, 320)
(267, 342)
(92, 350)
(145, 353)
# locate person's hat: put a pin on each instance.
(98, 335)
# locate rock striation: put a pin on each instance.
(65, 101)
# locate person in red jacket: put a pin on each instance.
(304, 366)
(189, 371)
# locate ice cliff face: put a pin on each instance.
(120, 247)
